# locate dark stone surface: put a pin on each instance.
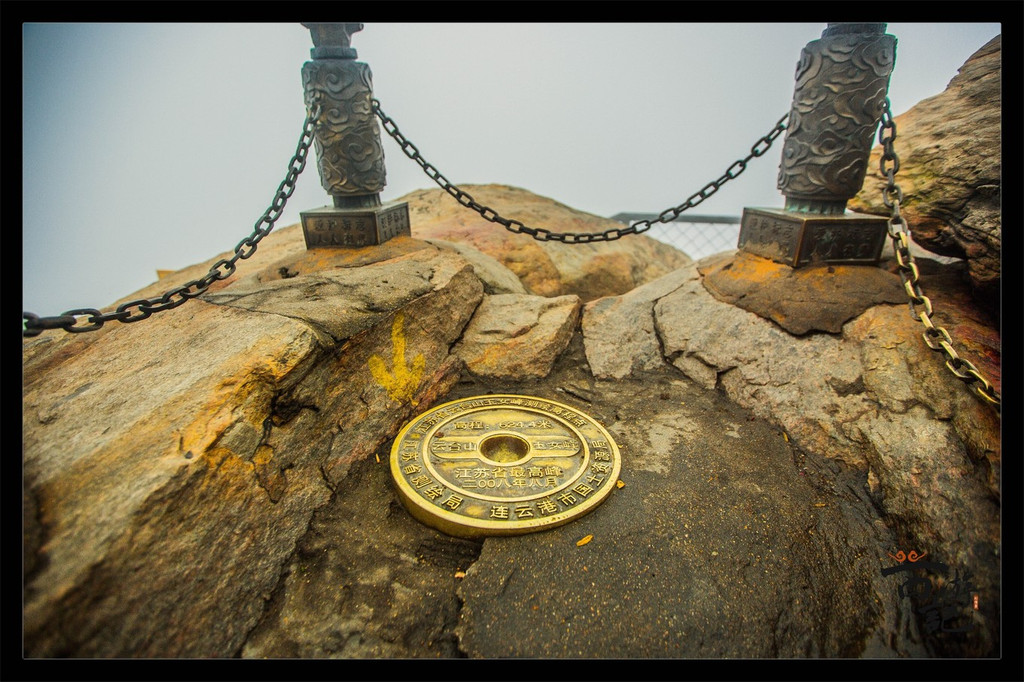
(724, 542)
(366, 581)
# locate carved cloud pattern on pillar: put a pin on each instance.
(347, 141)
(841, 85)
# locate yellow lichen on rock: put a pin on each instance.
(403, 380)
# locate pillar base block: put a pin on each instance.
(799, 239)
(330, 227)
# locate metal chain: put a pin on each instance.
(90, 319)
(544, 235)
(937, 338)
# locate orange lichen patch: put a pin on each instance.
(320, 259)
(749, 269)
(243, 395)
(200, 436)
(815, 297)
(747, 266)
(494, 356)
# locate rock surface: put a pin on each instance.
(800, 300)
(219, 487)
(589, 271)
(518, 337)
(148, 509)
(949, 148)
(365, 581)
(685, 557)
(496, 278)
(873, 397)
(685, 562)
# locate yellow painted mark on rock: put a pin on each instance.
(403, 380)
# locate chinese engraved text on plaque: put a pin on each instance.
(502, 465)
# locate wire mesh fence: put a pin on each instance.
(697, 240)
(700, 236)
(696, 236)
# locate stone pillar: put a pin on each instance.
(842, 81)
(348, 148)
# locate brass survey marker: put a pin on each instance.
(503, 465)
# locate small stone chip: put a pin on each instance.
(584, 540)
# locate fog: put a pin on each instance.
(157, 146)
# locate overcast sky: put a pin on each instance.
(157, 146)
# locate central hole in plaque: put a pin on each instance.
(504, 448)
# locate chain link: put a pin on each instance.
(544, 235)
(90, 319)
(937, 338)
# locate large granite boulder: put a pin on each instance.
(172, 466)
(545, 268)
(213, 481)
(949, 148)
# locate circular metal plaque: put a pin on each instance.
(502, 465)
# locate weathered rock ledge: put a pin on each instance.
(167, 491)
(213, 481)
